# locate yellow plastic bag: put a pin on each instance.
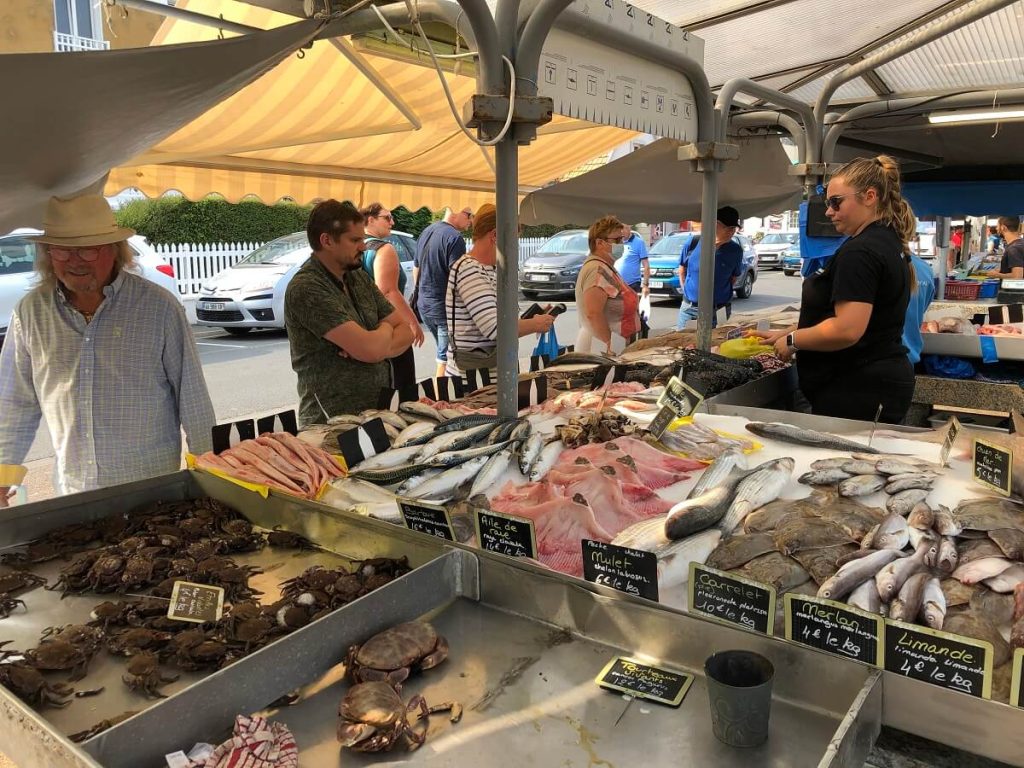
(741, 349)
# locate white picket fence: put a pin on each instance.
(194, 263)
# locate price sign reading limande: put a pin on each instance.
(940, 658)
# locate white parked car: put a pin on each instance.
(250, 294)
(772, 246)
(17, 274)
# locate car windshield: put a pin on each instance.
(671, 245)
(291, 249)
(574, 242)
(17, 254)
(779, 238)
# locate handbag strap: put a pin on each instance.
(455, 289)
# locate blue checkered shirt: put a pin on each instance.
(115, 392)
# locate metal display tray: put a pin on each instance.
(963, 345)
(525, 647)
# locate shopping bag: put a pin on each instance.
(547, 345)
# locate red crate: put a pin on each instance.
(965, 290)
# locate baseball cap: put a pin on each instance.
(729, 216)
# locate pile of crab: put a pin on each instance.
(373, 717)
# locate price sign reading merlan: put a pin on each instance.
(729, 598)
(993, 466)
(431, 519)
(506, 535)
(950, 661)
(632, 571)
(835, 627)
(643, 681)
(198, 603)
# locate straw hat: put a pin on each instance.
(81, 222)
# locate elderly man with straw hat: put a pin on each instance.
(104, 355)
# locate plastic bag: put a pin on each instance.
(547, 345)
(645, 307)
(947, 367)
(741, 349)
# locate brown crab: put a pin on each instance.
(101, 726)
(105, 574)
(36, 552)
(138, 573)
(16, 582)
(28, 684)
(59, 655)
(288, 540)
(393, 654)
(373, 717)
(144, 673)
(9, 604)
(129, 642)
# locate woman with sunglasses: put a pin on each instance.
(609, 309)
(848, 344)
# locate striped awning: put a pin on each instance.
(337, 121)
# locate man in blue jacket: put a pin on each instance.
(728, 267)
(919, 301)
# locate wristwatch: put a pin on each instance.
(790, 341)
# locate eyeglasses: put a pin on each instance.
(85, 254)
(614, 239)
(386, 217)
(468, 214)
(835, 201)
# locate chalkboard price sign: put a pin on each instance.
(632, 571)
(835, 628)
(731, 599)
(198, 603)
(950, 661)
(643, 681)
(660, 422)
(993, 466)
(947, 445)
(506, 535)
(680, 397)
(1016, 694)
(427, 518)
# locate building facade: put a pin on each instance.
(37, 26)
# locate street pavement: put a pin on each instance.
(252, 375)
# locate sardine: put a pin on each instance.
(737, 551)
(893, 533)
(787, 433)
(904, 501)
(529, 452)
(855, 573)
(494, 468)
(388, 459)
(858, 467)
(895, 467)
(900, 483)
(719, 472)
(933, 611)
(945, 523)
(979, 570)
(865, 597)
(823, 476)
(889, 580)
(443, 485)
(921, 517)
(947, 561)
(861, 485)
(548, 456)
(1006, 581)
(421, 410)
(762, 485)
(908, 604)
(697, 513)
(415, 430)
(833, 463)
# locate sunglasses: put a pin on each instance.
(835, 201)
(85, 254)
(614, 239)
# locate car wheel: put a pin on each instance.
(238, 331)
(746, 287)
(788, 272)
(531, 295)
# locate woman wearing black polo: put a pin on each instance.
(848, 343)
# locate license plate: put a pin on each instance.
(540, 278)
(657, 283)
(211, 306)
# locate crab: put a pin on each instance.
(101, 726)
(251, 633)
(8, 604)
(373, 717)
(58, 655)
(393, 654)
(129, 642)
(251, 542)
(108, 612)
(289, 540)
(138, 573)
(74, 577)
(36, 552)
(27, 683)
(19, 581)
(105, 573)
(203, 549)
(208, 653)
(144, 673)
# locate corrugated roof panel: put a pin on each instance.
(692, 11)
(989, 52)
(855, 89)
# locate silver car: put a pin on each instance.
(250, 294)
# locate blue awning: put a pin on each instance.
(971, 198)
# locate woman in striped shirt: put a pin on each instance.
(471, 302)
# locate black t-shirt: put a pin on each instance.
(869, 268)
(1013, 256)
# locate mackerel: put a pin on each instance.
(466, 421)
(391, 458)
(529, 452)
(718, 472)
(417, 480)
(503, 431)
(454, 458)
(855, 573)
(389, 476)
(697, 513)
(443, 485)
(762, 485)
(445, 442)
(412, 432)
(787, 433)
(492, 470)
(522, 430)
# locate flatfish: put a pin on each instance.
(783, 573)
(956, 592)
(971, 624)
(813, 533)
(989, 514)
(737, 551)
(849, 514)
(821, 563)
(1010, 541)
(977, 549)
(771, 515)
(996, 607)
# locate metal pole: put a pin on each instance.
(506, 184)
(941, 253)
(768, 119)
(706, 279)
(737, 85)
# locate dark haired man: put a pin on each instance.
(341, 329)
(1012, 264)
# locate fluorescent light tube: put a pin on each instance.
(988, 116)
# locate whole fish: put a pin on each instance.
(443, 485)
(987, 514)
(823, 476)
(921, 517)
(908, 604)
(861, 485)
(737, 551)
(494, 468)
(889, 580)
(808, 533)
(415, 430)
(821, 563)
(674, 555)
(928, 538)
(388, 459)
(548, 456)
(892, 533)
(762, 485)
(849, 514)
(453, 458)
(975, 549)
(868, 542)
(719, 471)
(979, 570)
(947, 561)
(346, 418)
(865, 597)
(904, 501)
(945, 523)
(447, 442)
(406, 488)
(853, 555)
(833, 463)
(1007, 580)
(350, 492)
(391, 475)
(859, 467)
(956, 592)
(529, 452)
(906, 459)
(503, 431)
(421, 410)
(787, 433)
(895, 467)
(521, 431)
(855, 573)
(900, 483)
(1010, 541)
(388, 417)
(697, 513)
(997, 607)
(468, 420)
(772, 515)
(933, 611)
(773, 568)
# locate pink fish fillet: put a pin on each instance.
(616, 505)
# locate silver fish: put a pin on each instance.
(947, 555)
(388, 459)
(390, 475)
(917, 536)
(893, 533)
(945, 523)
(904, 501)
(979, 570)
(444, 442)
(868, 542)
(762, 485)
(350, 491)
(421, 410)
(823, 476)
(834, 463)
(900, 483)
(548, 456)
(855, 573)
(492, 470)
(696, 514)
(911, 598)
(529, 452)
(522, 430)
(865, 597)
(921, 517)
(890, 579)
(787, 433)
(895, 467)
(346, 418)
(718, 472)
(388, 417)
(674, 555)
(933, 612)
(912, 460)
(1007, 580)
(453, 458)
(443, 485)
(859, 467)
(406, 488)
(411, 432)
(861, 485)
(389, 513)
